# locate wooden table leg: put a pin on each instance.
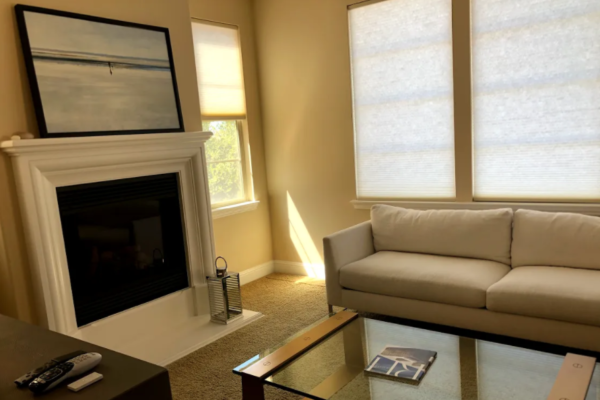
(252, 388)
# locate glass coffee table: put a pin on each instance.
(465, 369)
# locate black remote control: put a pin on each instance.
(26, 379)
(69, 369)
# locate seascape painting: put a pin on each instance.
(92, 77)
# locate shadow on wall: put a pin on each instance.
(308, 252)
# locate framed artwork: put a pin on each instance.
(95, 76)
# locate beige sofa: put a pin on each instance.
(527, 274)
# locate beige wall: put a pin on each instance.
(243, 239)
(303, 54)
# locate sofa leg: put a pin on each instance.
(330, 308)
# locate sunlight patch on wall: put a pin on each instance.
(308, 252)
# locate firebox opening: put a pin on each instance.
(124, 242)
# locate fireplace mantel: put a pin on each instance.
(42, 165)
(161, 330)
(111, 143)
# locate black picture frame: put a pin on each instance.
(34, 82)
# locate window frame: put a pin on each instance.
(462, 100)
(463, 133)
(248, 202)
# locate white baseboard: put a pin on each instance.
(254, 273)
(282, 267)
(290, 267)
(298, 268)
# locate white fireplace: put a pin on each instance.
(160, 330)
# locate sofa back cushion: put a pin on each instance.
(473, 234)
(555, 239)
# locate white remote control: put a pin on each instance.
(69, 369)
(85, 381)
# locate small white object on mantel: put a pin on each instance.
(159, 331)
(24, 135)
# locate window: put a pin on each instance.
(401, 54)
(222, 100)
(225, 165)
(524, 84)
(536, 81)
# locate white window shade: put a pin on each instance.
(536, 77)
(401, 53)
(219, 71)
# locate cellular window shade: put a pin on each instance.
(219, 71)
(401, 55)
(536, 77)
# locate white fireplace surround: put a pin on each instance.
(42, 165)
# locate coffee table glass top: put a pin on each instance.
(464, 369)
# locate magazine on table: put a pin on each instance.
(401, 363)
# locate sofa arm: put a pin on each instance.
(342, 248)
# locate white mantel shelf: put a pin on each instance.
(22, 146)
(42, 165)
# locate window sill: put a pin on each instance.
(581, 208)
(233, 209)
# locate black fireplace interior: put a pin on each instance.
(124, 242)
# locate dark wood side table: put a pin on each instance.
(24, 347)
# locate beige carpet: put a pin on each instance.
(288, 302)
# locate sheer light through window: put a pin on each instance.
(536, 77)
(401, 54)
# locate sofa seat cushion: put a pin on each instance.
(439, 279)
(484, 235)
(563, 294)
